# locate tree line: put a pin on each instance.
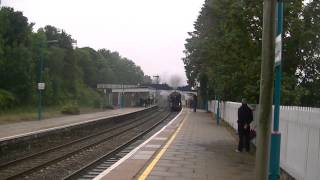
(223, 53)
(69, 74)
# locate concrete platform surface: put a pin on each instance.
(193, 147)
(20, 128)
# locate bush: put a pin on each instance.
(108, 107)
(7, 99)
(70, 108)
(88, 97)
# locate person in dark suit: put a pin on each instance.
(245, 117)
(195, 103)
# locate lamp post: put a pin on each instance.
(122, 97)
(218, 111)
(274, 168)
(156, 82)
(41, 84)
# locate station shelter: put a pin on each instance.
(123, 95)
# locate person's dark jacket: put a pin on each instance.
(245, 116)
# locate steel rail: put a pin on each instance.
(70, 143)
(53, 160)
(77, 174)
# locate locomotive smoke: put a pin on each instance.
(175, 81)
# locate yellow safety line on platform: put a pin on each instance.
(149, 168)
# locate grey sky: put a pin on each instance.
(152, 33)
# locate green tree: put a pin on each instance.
(226, 45)
(309, 55)
(15, 54)
(70, 74)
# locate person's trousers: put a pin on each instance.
(244, 139)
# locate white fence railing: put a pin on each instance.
(300, 137)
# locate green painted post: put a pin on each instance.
(122, 97)
(218, 112)
(110, 99)
(274, 165)
(41, 85)
(207, 106)
(205, 102)
(40, 81)
(122, 100)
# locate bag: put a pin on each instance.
(252, 134)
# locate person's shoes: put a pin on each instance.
(237, 150)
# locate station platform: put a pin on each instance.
(9, 131)
(191, 146)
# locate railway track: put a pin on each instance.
(69, 158)
(94, 168)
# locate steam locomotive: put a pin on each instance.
(175, 101)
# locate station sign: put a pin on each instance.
(278, 50)
(41, 86)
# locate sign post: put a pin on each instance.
(41, 87)
(218, 111)
(41, 84)
(274, 167)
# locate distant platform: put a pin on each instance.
(9, 131)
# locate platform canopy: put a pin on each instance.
(143, 88)
(126, 88)
(116, 86)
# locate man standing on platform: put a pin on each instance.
(245, 117)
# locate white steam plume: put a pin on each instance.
(175, 81)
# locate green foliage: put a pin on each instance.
(15, 54)
(147, 80)
(71, 108)
(7, 99)
(88, 96)
(226, 47)
(123, 70)
(70, 75)
(108, 107)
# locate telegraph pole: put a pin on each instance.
(266, 89)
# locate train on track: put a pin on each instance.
(175, 101)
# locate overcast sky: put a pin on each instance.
(152, 33)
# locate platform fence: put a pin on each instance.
(300, 141)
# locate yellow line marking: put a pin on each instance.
(149, 168)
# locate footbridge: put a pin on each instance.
(125, 95)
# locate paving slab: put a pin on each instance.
(203, 150)
(16, 129)
(200, 150)
(134, 162)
